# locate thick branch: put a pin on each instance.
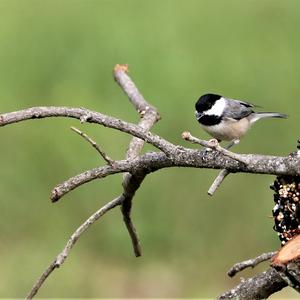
(262, 164)
(260, 286)
(184, 157)
(181, 156)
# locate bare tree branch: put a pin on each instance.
(41, 280)
(184, 157)
(131, 182)
(180, 156)
(285, 271)
(134, 95)
(101, 172)
(238, 267)
(86, 115)
(260, 286)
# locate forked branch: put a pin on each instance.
(131, 182)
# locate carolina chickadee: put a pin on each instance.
(228, 119)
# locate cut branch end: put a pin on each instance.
(121, 67)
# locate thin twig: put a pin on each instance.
(41, 280)
(238, 267)
(217, 182)
(62, 256)
(213, 144)
(94, 144)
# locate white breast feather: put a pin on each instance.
(228, 130)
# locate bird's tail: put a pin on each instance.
(262, 115)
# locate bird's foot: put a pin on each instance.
(232, 143)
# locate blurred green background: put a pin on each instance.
(62, 52)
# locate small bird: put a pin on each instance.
(228, 119)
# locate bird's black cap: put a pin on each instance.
(205, 102)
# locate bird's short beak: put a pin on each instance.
(198, 115)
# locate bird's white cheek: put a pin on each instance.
(218, 108)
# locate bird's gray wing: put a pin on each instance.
(248, 104)
(236, 109)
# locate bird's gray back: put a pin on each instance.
(236, 109)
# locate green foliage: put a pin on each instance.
(61, 52)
